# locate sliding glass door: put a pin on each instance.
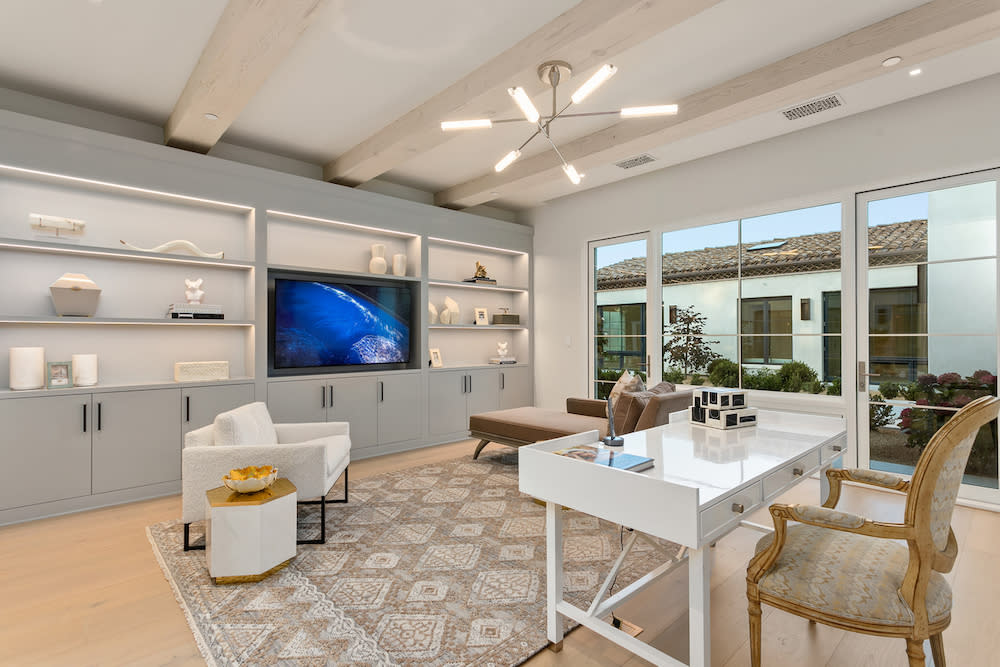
(927, 321)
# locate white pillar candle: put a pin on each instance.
(27, 367)
(84, 370)
(399, 265)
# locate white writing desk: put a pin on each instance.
(703, 482)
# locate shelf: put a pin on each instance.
(484, 327)
(142, 321)
(123, 254)
(338, 272)
(466, 367)
(465, 285)
(104, 388)
(465, 244)
(308, 219)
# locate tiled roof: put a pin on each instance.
(894, 243)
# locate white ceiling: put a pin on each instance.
(364, 63)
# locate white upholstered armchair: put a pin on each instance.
(313, 456)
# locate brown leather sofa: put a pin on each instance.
(635, 411)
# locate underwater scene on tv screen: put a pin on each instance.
(334, 324)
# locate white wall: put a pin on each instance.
(940, 134)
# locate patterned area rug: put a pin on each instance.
(440, 564)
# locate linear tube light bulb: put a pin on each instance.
(475, 124)
(571, 174)
(591, 84)
(522, 100)
(659, 110)
(506, 160)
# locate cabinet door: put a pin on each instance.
(137, 438)
(355, 400)
(399, 415)
(200, 405)
(447, 402)
(45, 448)
(484, 391)
(297, 401)
(515, 387)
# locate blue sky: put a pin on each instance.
(813, 220)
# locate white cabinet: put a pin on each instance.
(454, 395)
(515, 387)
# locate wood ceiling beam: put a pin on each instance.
(250, 40)
(925, 32)
(586, 35)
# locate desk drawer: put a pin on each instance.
(727, 510)
(789, 473)
(832, 450)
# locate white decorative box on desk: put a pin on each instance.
(722, 409)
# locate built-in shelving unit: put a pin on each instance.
(120, 254)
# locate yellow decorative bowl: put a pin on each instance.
(251, 485)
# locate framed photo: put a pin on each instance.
(436, 358)
(482, 316)
(60, 374)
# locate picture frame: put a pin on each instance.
(482, 316)
(59, 374)
(436, 358)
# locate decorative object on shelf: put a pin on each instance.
(482, 316)
(84, 370)
(377, 263)
(612, 440)
(59, 375)
(432, 313)
(502, 347)
(197, 371)
(178, 244)
(722, 409)
(250, 479)
(193, 291)
(27, 368)
(506, 317)
(480, 277)
(551, 73)
(399, 264)
(450, 313)
(195, 311)
(436, 358)
(503, 357)
(75, 295)
(55, 225)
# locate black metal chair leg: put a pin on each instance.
(187, 540)
(322, 513)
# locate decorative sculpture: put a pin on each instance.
(502, 347)
(177, 244)
(193, 293)
(481, 271)
(432, 313)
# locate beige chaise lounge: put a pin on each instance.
(636, 411)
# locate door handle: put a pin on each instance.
(99, 405)
(187, 408)
(322, 397)
(862, 384)
(84, 417)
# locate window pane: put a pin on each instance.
(619, 312)
(779, 364)
(620, 265)
(621, 320)
(767, 349)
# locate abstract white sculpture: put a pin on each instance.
(174, 245)
(502, 347)
(193, 293)
(432, 313)
(450, 313)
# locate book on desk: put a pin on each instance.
(607, 457)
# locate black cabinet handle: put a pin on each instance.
(502, 381)
(465, 384)
(381, 391)
(331, 395)
(187, 408)
(99, 416)
(322, 397)
(84, 417)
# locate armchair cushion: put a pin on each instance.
(627, 382)
(848, 575)
(246, 425)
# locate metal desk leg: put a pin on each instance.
(554, 572)
(699, 592)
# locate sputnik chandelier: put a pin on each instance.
(551, 73)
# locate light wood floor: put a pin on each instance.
(85, 589)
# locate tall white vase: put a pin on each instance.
(378, 263)
(399, 265)
(27, 368)
(84, 370)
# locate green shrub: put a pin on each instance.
(890, 390)
(724, 373)
(762, 378)
(674, 375)
(813, 387)
(794, 375)
(879, 415)
(697, 380)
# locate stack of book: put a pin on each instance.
(607, 457)
(480, 281)
(503, 360)
(195, 311)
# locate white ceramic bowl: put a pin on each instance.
(251, 485)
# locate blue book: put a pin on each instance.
(607, 457)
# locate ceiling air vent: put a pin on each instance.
(813, 107)
(636, 161)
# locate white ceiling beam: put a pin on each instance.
(925, 32)
(585, 36)
(250, 40)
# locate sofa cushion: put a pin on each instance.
(532, 424)
(630, 405)
(246, 425)
(627, 382)
(663, 388)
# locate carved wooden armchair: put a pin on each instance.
(851, 573)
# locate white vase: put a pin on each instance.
(399, 265)
(377, 263)
(27, 368)
(84, 370)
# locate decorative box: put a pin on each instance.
(506, 318)
(197, 371)
(726, 399)
(723, 419)
(75, 295)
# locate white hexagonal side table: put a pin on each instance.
(249, 536)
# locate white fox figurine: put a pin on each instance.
(193, 293)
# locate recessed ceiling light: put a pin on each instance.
(891, 61)
(916, 71)
(211, 116)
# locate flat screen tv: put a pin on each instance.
(322, 323)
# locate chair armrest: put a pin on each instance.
(292, 433)
(591, 407)
(884, 480)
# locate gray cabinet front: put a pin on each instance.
(353, 400)
(200, 405)
(45, 447)
(136, 438)
(297, 401)
(483, 391)
(399, 415)
(447, 404)
(515, 387)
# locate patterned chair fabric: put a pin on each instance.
(848, 575)
(946, 490)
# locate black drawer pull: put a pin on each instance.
(797, 472)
